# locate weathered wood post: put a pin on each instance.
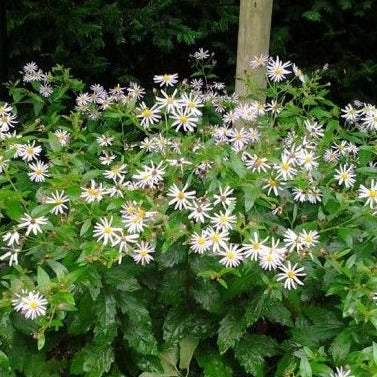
(3, 48)
(253, 39)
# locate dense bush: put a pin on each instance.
(186, 233)
(108, 42)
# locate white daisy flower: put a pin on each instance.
(217, 238)
(12, 254)
(32, 224)
(276, 69)
(123, 239)
(259, 61)
(12, 238)
(142, 253)
(341, 372)
(369, 193)
(104, 231)
(290, 275)
(105, 140)
(223, 220)
(253, 249)
(58, 199)
(168, 101)
(345, 175)
(310, 238)
(231, 255)
(116, 172)
(31, 304)
(166, 79)
(285, 169)
(184, 118)
(199, 211)
(293, 240)
(38, 171)
(224, 198)
(93, 193)
(148, 115)
(199, 243)
(30, 151)
(181, 198)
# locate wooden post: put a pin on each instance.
(3, 49)
(253, 39)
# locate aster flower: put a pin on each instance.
(32, 224)
(166, 79)
(199, 243)
(142, 253)
(184, 118)
(199, 211)
(259, 61)
(148, 115)
(341, 372)
(30, 304)
(38, 171)
(253, 249)
(58, 199)
(217, 238)
(104, 231)
(345, 175)
(369, 193)
(290, 275)
(224, 197)
(30, 151)
(277, 70)
(12, 238)
(93, 193)
(231, 255)
(181, 198)
(12, 254)
(223, 220)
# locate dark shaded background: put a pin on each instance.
(117, 41)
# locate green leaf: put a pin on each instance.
(41, 341)
(42, 278)
(85, 226)
(187, 347)
(252, 350)
(237, 166)
(54, 142)
(340, 346)
(251, 194)
(212, 363)
(231, 329)
(305, 368)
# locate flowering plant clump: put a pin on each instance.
(187, 232)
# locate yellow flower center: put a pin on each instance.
(201, 241)
(373, 194)
(33, 305)
(183, 119)
(181, 195)
(230, 254)
(215, 238)
(291, 274)
(143, 252)
(285, 166)
(92, 192)
(147, 113)
(107, 229)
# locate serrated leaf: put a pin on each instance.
(212, 363)
(231, 329)
(187, 347)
